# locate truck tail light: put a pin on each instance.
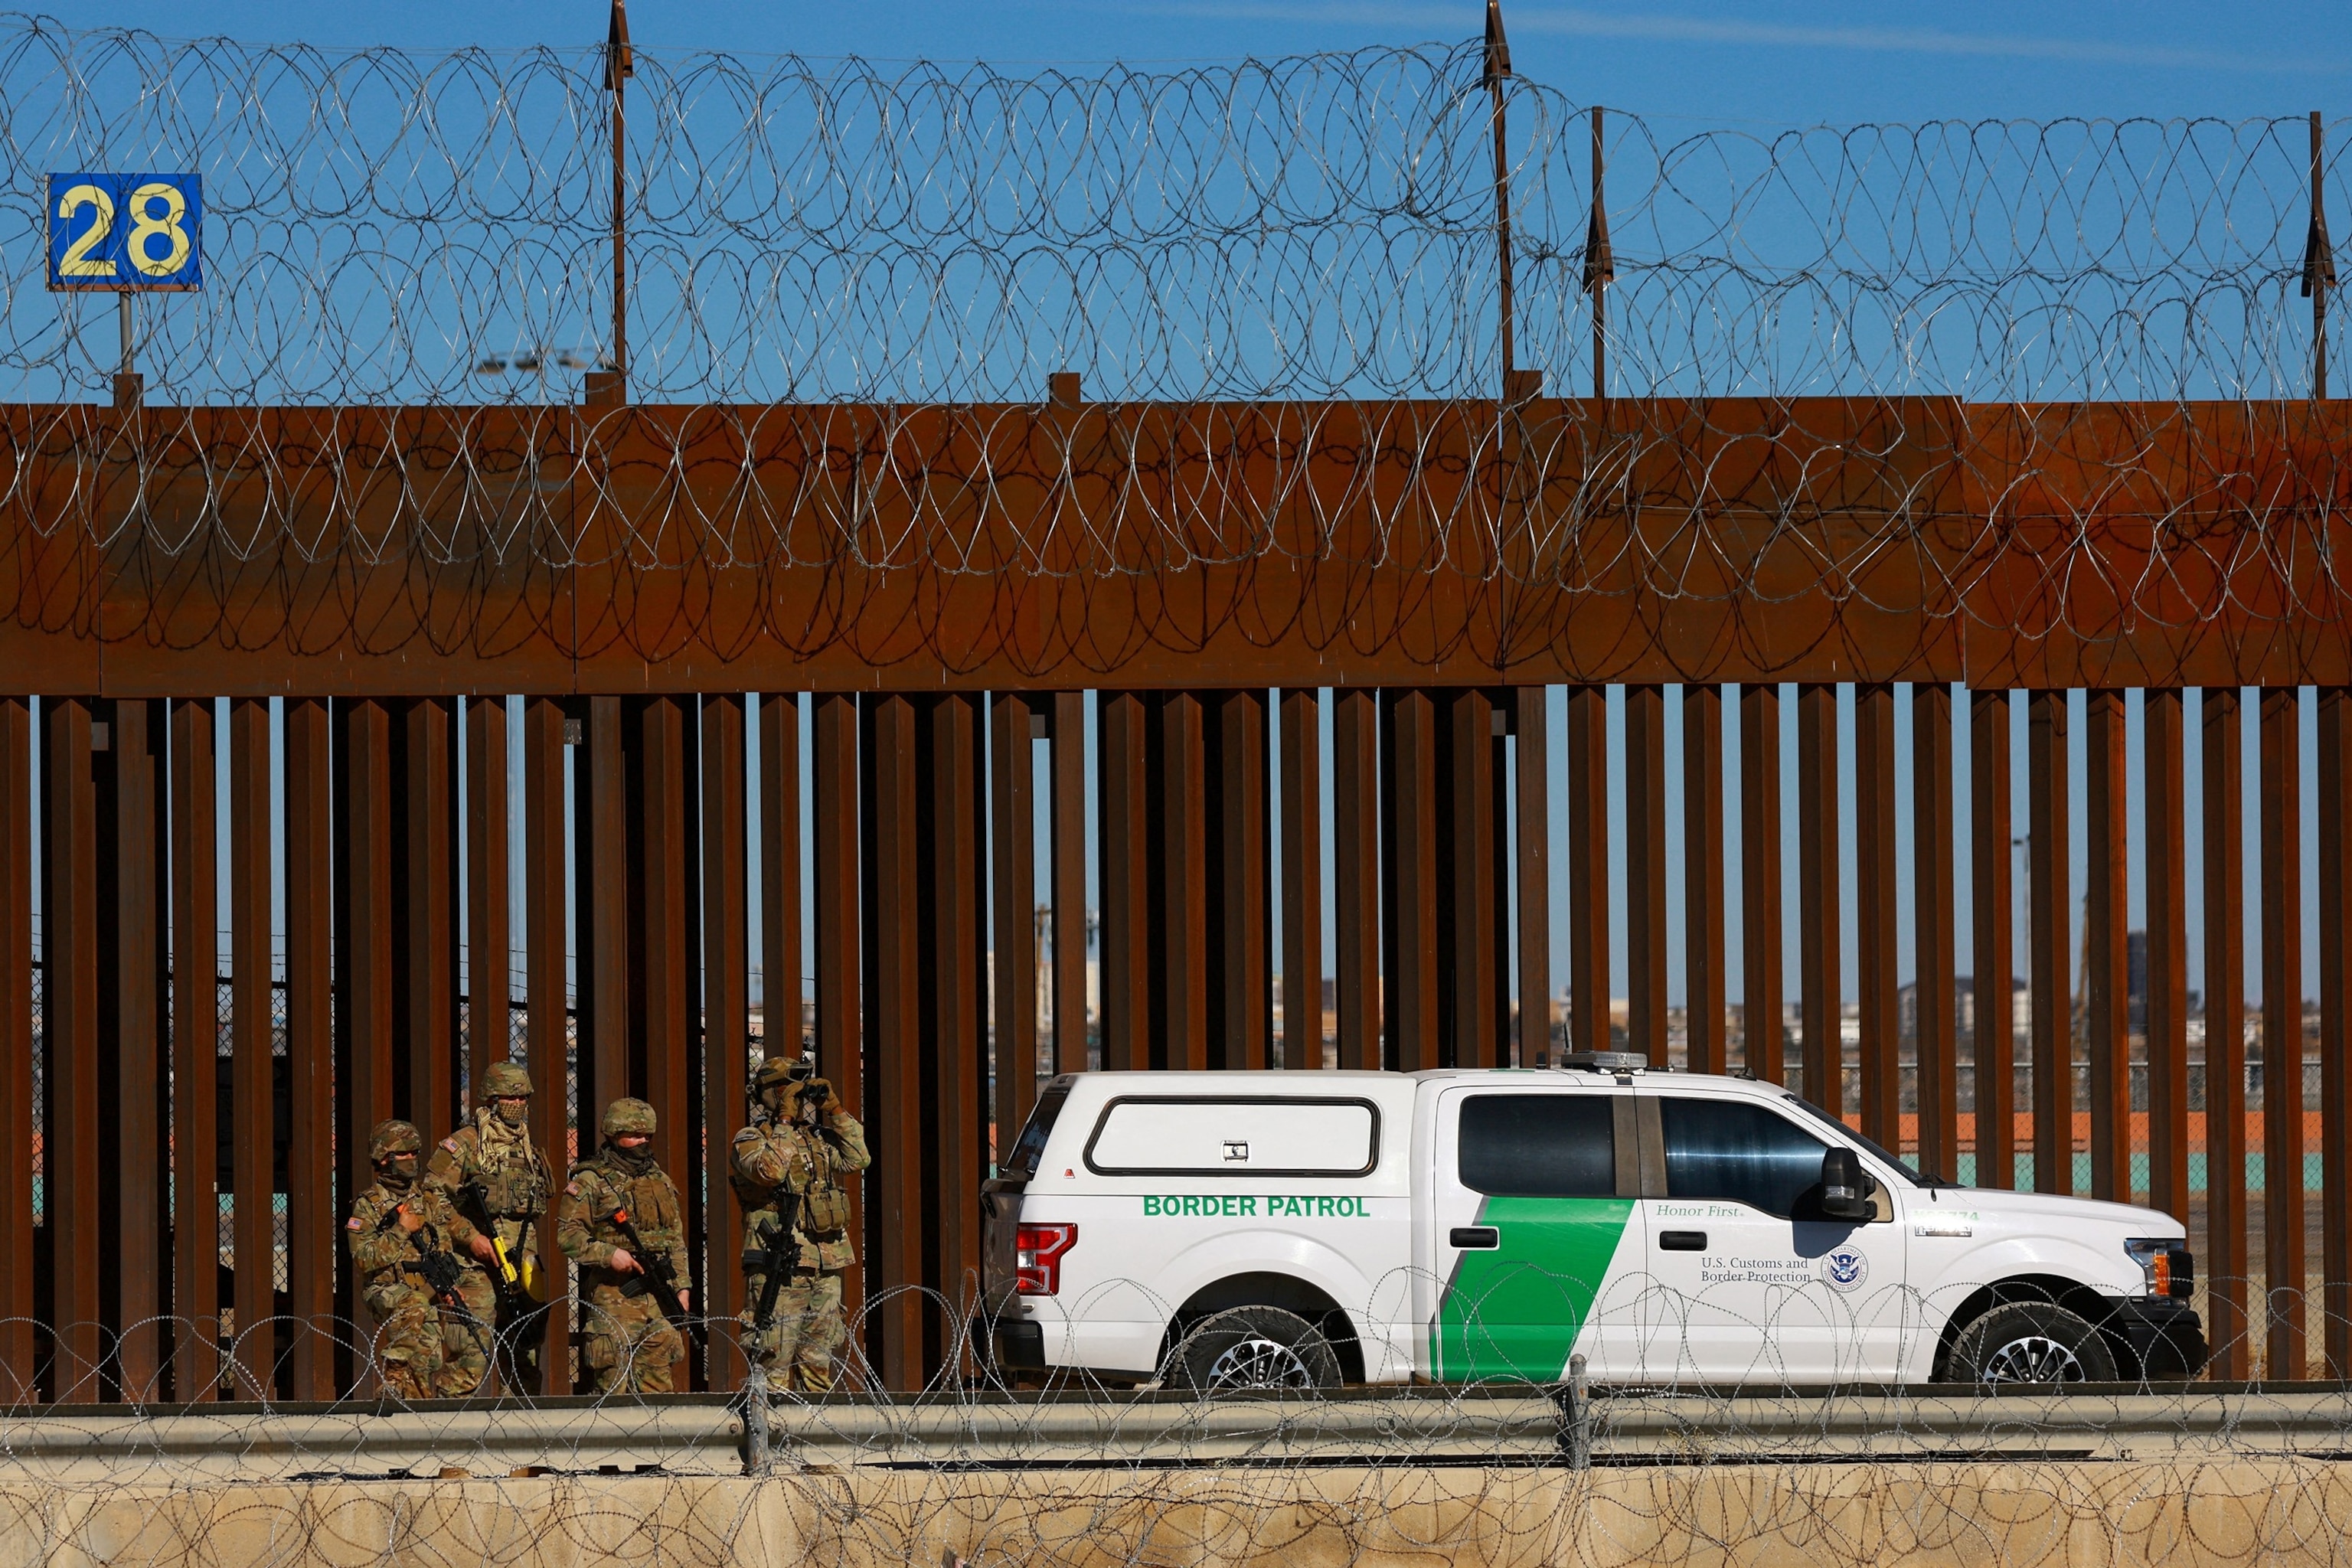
(1037, 1252)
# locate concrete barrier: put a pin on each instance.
(2277, 1511)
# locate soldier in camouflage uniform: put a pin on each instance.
(629, 1346)
(494, 1176)
(789, 1162)
(425, 1348)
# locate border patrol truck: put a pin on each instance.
(1307, 1229)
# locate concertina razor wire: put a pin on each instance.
(1277, 282)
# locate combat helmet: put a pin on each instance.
(627, 1116)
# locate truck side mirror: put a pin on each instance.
(1846, 1188)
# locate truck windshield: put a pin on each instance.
(1910, 1173)
(1022, 1163)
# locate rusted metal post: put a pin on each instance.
(1066, 756)
(2281, 885)
(425, 893)
(835, 799)
(19, 1116)
(1302, 879)
(601, 918)
(1935, 915)
(2164, 770)
(1356, 874)
(2332, 809)
(313, 1234)
(1703, 879)
(1881, 1073)
(2226, 1234)
(1409, 879)
(546, 859)
(781, 946)
(1993, 906)
(363, 944)
(1600, 265)
(1179, 822)
(253, 1117)
(1125, 845)
(196, 1013)
(1532, 846)
(663, 981)
(134, 1022)
(489, 986)
(2107, 958)
(1819, 955)
(1645, 871)
(835, 836)
(1761, 958)
(893, 874)
(2318, 261)
(1497, 76)
(1240, 998)
(724, 1056)
(1012, 873)
(1588, 868)
(951, 830)
(71, 1160)
(2049, 934)
(1475, 972)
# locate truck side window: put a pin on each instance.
(1540, 1145)
(1739, 1153)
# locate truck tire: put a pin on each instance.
(2031, 1343)
(1253, 1348)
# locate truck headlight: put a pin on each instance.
(2167, 1265)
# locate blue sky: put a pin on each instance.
(1761, 60)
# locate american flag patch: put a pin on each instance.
(572, 1188)
(353, 1224)
(451, 1144)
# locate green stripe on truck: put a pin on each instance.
(1515, 1311)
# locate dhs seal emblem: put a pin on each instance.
(1845, 1268)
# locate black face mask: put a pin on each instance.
(636, 1161)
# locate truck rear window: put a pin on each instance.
(1234, 1135)
(1021, 1165)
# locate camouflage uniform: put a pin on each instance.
(790, 1153)
(628, 1344)
(424, 1349)
(492, 1173)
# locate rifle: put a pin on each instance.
(506, 1278)
(782, 1254)
(440, 1270)
(660, 1279)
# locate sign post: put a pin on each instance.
(125, 235)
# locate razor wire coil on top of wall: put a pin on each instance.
(384, 226)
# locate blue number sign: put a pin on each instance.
(121, 232)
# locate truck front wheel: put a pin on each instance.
(1253, 1347)
(2031, 1343)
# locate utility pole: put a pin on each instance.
(611, 387)
(1498, 71)
(2318, 262)
(1600, 265)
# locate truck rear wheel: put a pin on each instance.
(2031, 1343)
(1253, 1348)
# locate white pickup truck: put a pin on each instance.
(1311, 1229)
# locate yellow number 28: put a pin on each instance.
(78, 261)
(145, 225)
